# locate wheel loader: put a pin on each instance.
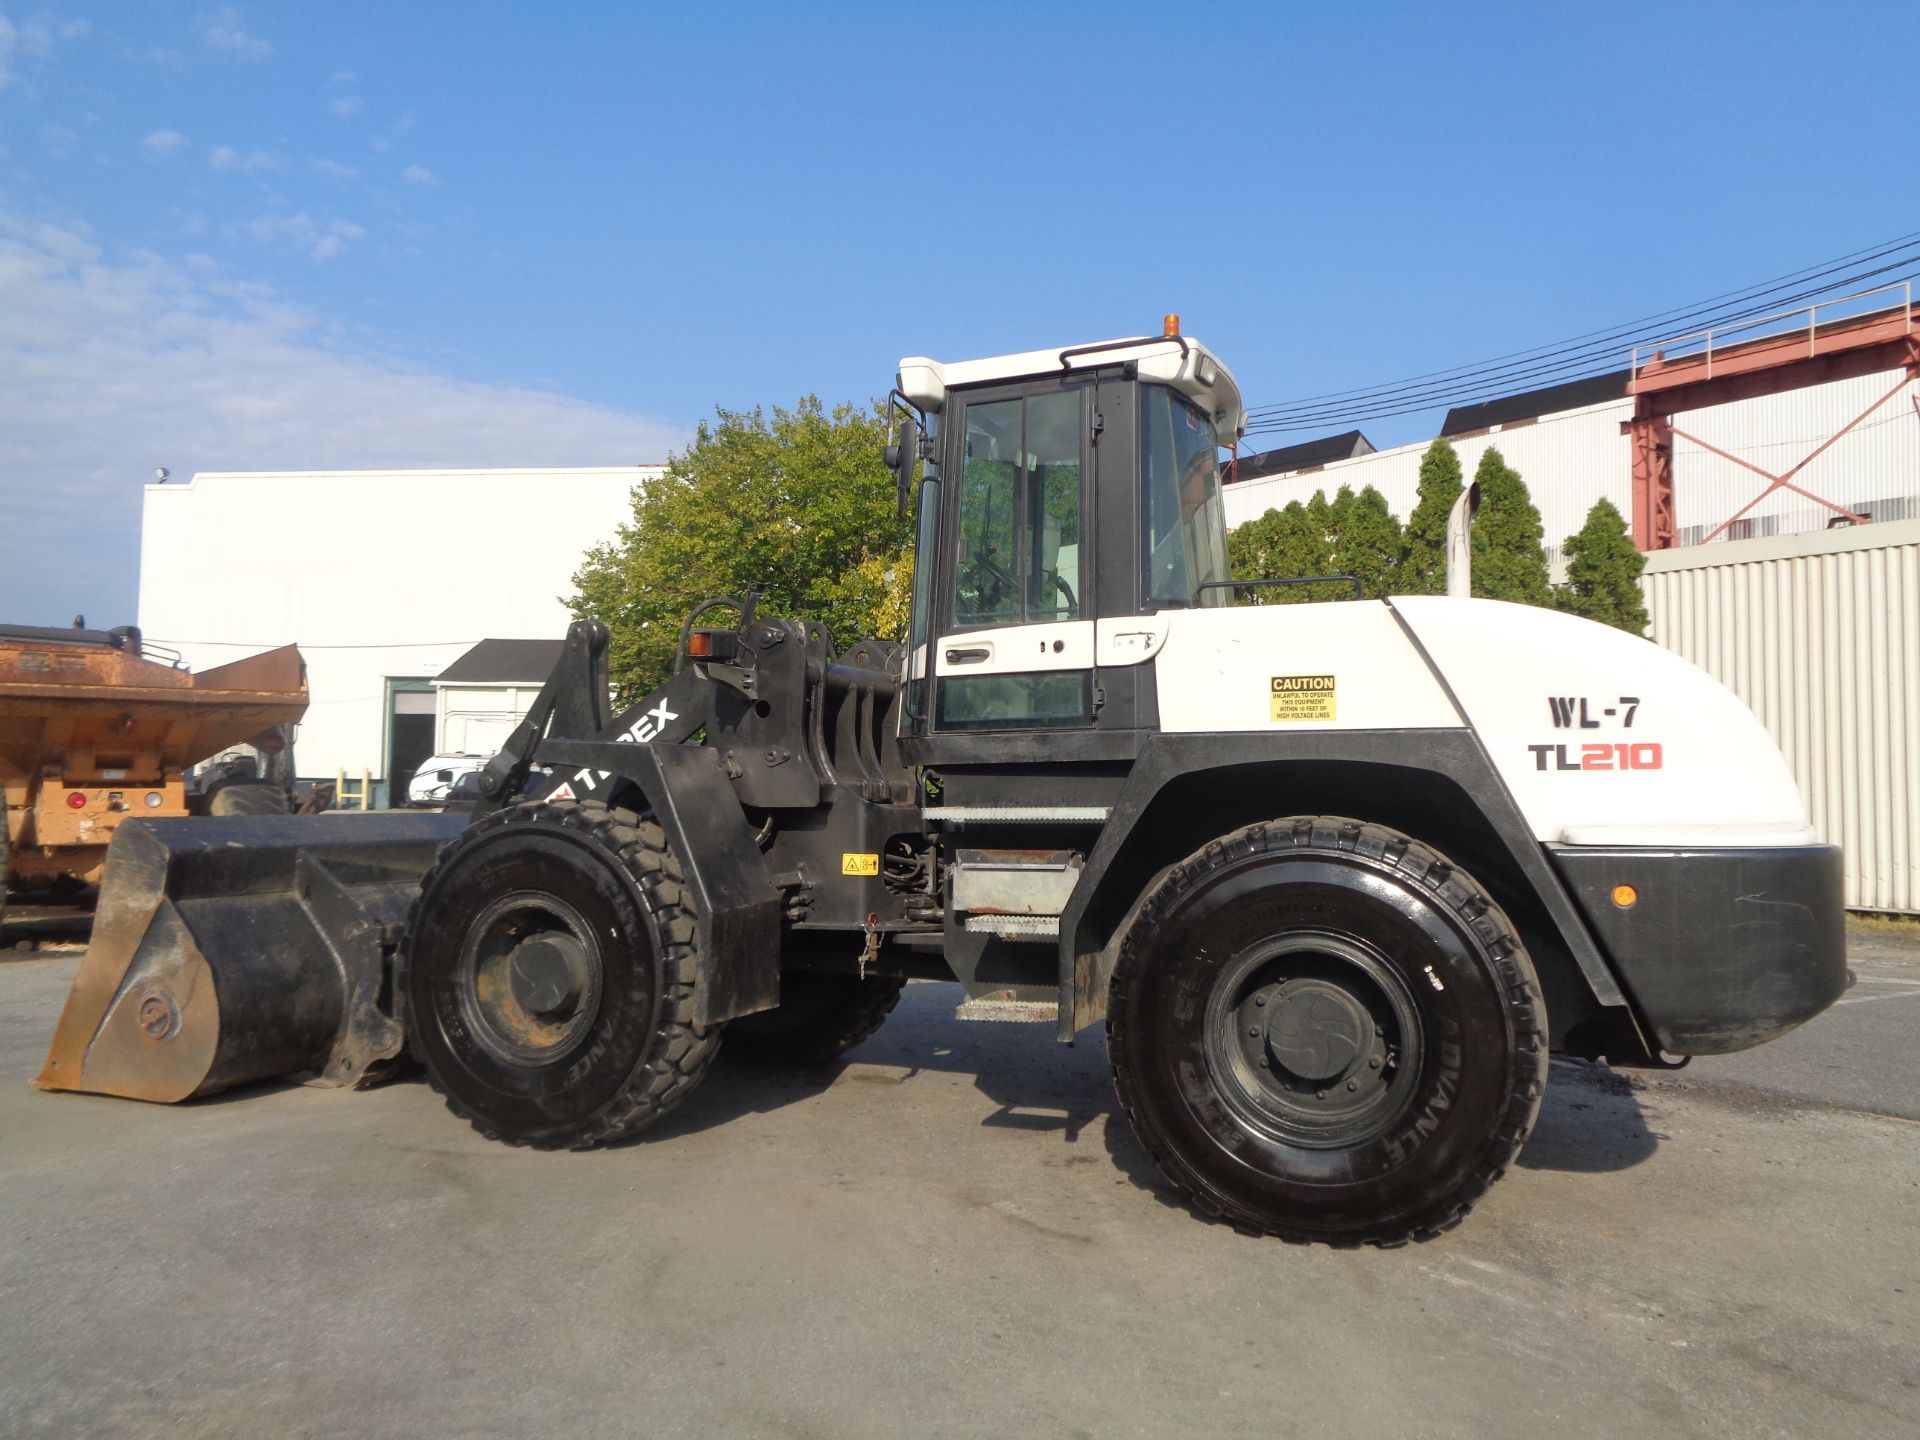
(1339, 877)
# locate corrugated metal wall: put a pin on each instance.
(1820, 634)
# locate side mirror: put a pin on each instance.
(900, 458)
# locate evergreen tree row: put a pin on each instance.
(1356, 534)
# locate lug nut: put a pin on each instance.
(1259, 999)
(1254, 1031)
(1353, 1084)
(1374, 1063)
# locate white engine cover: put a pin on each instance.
(1602, 738)
(1342, 666)
(1606, 739)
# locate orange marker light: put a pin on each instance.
(700, 644)
(1624, 896)
(1170, 327)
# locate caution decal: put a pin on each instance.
(853, 863)
(1303, 697)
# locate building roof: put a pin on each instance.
(504, 662)
(1307, 455)
(1532, 404)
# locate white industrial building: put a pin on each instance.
(383, 578)
(1571, 455)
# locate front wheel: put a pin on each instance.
(547, 976)
(1326, 1031)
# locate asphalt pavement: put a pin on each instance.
(954, 1234)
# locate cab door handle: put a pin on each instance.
(971, 656)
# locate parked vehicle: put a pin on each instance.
(1338, 877)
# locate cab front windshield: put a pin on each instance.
(1186, 526)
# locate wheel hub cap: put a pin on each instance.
(549, 975)
(1317, 1030)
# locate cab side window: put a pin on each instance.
(1019, 558)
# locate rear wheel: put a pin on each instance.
(547, 976)
(248, 797)
(1324, 1030)
(822, 1014)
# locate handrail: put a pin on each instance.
(1659, 348)
(1359, 590)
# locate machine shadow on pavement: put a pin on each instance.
(1590, 1121)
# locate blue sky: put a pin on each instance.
(260, 236)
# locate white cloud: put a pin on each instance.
(333, 169)
(229, 161)
(35, 37)
(418, 175)
(163, 142)
(111, 367)
(319, 239)
(346, 105)
(222, 31)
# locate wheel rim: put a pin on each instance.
(1313, 1039)
(530, 978)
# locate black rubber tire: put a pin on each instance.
(248, 797)
(1464, 1088)
(822, 1014)
(638, 1053)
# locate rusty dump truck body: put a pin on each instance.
(92, 732)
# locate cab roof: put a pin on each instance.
(1180, 362)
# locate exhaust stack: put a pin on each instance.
(1460, 543)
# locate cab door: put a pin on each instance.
(1014, 646)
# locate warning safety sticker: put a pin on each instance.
(1303, 697)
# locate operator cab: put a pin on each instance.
(1064, 493)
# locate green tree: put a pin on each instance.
(1508, 561)
(1279, 543)
(1423, 563)
(1603, 572)
(1366, 541)
(801, 504)
(1347, 535)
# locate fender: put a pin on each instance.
(1388, 776)
(727, 880)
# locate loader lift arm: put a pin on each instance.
(685, 788)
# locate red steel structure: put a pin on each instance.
(1813, 354)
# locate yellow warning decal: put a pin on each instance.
(853, 863)
(1303, 697)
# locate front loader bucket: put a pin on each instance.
(231, 950)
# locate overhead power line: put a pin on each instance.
(1589, 355)
(1505, 380)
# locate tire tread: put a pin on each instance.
(1450, 887)
(682, 1051)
